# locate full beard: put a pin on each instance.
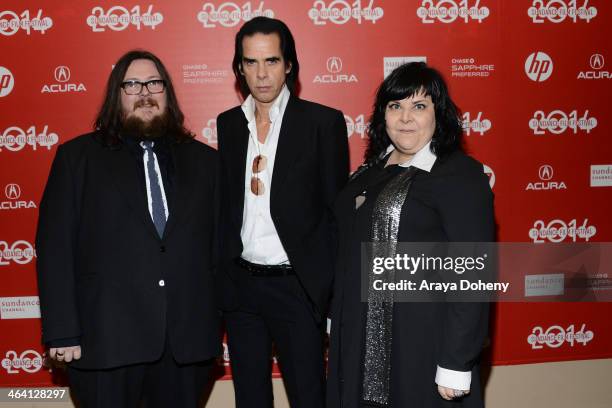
(153, 129)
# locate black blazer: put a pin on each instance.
(452, 203)
(311, 166)
(100, 261)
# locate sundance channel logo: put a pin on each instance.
(601, 175)
(21, 307)
(390, 63)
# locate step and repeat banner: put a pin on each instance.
(531, 77)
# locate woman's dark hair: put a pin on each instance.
(406, 81)
(265, 25)
(109, 120)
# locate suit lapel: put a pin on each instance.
(124, 171)
(181, 188)
(287, 149)
(237, 179)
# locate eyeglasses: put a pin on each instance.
(135, 87)
(259, 165)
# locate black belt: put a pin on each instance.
(265, 270)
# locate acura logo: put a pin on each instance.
(62, 73)
(12, 191)
(545, 172)
(597, 61)
(334, 65)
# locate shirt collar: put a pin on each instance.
(424, 159)
(248, 106)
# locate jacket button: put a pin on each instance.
(162, 283)
(162, 248)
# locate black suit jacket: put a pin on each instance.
(100, 261)
(452, 203)
(311, 166)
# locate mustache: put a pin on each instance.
(145, 101)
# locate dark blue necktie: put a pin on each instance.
(156, 197)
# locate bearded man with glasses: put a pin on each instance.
(125, 249)
(283, 160)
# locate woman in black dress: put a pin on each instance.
(416, 185)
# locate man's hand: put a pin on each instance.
(450, 394)
(66, 354)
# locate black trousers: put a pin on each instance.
(275, 309)
(160, 384)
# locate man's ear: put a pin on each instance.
(240, 69)
(288, 67)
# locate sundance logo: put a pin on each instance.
(20, 252)
(22, 307)
(357, 126)
(10, 22)
(489, 172)
(7, 81)
(476, 125)
(557, 122)
(538, 66)
(118, 18)
(597, 63)
(29, 361)
(62, 76)
(341, 12)
(546, 174)
(14, 138)
(12, 192)
(556, 336)
(558, 231)
(334, 75)
(448, 11)
(558, 11)
(231, 14)
(209, 132)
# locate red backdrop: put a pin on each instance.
(530, 76)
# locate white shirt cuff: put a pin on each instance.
(457, 380)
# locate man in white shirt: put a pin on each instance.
(283, 160)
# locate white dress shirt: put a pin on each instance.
(424, 159)
(260, 241)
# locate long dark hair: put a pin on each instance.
(109, 120)
(406, 81)
(265, 25)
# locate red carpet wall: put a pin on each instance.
(531, 76)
